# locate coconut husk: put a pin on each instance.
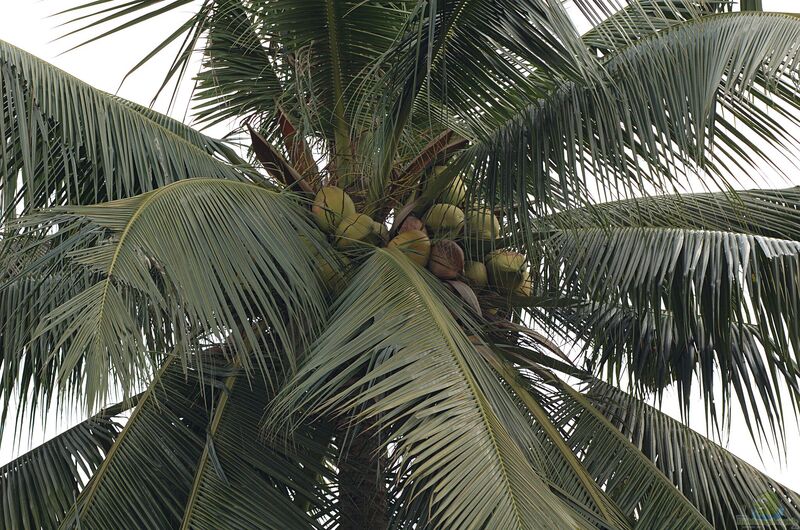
(412, 223)
(447, 259)
(414, 244)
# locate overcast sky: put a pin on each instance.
(26, 24)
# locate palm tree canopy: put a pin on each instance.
(359, 322)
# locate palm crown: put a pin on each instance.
(357, 324)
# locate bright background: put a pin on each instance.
(103, 64)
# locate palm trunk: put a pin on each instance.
(363, 500)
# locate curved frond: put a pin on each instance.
(626, 475)
(614, 28)
(394, 354)
(242, 482)
(717, 482)
(239, 78)
(39, 487)
(679, 289)
(64, 142)
(191, 261)
(651, 122)
(191, 456)
(147, 473)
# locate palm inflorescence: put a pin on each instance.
(437, 275)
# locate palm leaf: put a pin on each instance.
(242, 482)
(39, 487)
(394, 355)
(467, 58)
(680, 288)
(146, 475)
(599, 134)
(62, 141)
(626, 475)
(238, 78)
(614, 28)
(717, 482)
(166, 267)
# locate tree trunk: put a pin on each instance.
(363, 500)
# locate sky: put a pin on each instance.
(28, 24)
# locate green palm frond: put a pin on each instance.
(239, 76)
(191, 456)
(38, 488)
(626, 475)
(64, 142)
(241, 482)
(680, 288)
(631, 132)
(144, 480)
(168, 265)
(468, 57)
(614, 28)
(389, 330)
(717, 482)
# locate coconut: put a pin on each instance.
(411, 223)
(380, 232)
(482, 223)
(525, 287)
(505, 269)
(332, 276)
(475, 273)
(444, 218)
(414, 244)
(455, 192)
(353, 228)
(331, 205)
(447, 259)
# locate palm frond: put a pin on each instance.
(468, 57)
(64, 142)
(393, 354)
(191, 456)
(39, 487)
(615, 27)
(680, 289)
(590, 139)
(242, 482)
(144, 479)
(191, 261)
(626, 475)
(238, 78)
(717, 482)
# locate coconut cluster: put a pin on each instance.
(432, 241)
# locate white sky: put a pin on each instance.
(25, 23)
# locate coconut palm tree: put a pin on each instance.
(467, 248)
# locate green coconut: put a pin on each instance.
(353, 229)
(505, 269)
(525, 287)
(482, 223)
(455, 192)
(475, 273)
(446, 260)
(414, 244)
(380, 233)
(444, 219)
(331, 205)
(331, 276)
